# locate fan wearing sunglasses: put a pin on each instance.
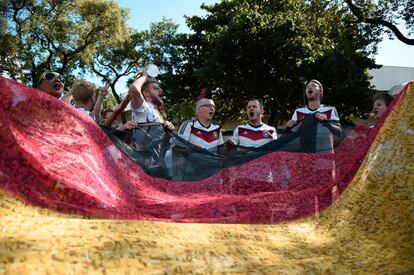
(51, 83)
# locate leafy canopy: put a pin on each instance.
(246, 49)
(46, 34)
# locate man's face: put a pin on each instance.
(254, 110)
(154, 94)
(379, 108)
(313, 91)
(206, 109)
(52, 84)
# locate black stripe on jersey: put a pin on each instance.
(184, 126)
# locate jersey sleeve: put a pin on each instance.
(220, 140)
(235, 138)
(295, 116)
(274, 134)
(185, 129)
(334, 114)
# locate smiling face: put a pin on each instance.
(205, 110)
(379, 108)
(254, 112)
(313, 91)
(52, 84)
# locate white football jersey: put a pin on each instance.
(329, 111)
(250, 136)
(147, 113)
(204, 137)
(324, 139)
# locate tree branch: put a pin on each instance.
(379, 21)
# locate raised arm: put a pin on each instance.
(135, 90)
(98, 104)
(67, 97)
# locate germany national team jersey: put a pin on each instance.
(147, 113)
(324, 140)
(302, 113)
(204, 137)
(251, 136)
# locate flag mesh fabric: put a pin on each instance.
(368, 230)
(54, 156)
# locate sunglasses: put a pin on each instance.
(52, 76)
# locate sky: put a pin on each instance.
(142, 13)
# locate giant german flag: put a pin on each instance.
(368, 229)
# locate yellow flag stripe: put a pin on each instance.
(368, 230)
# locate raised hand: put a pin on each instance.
(104, 90)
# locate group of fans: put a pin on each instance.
(145, 96)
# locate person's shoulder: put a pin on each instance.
(141, 108)
(302, 109)
(327, 106)
(243, 125)
(148, 105)
(331, 110)
(214, 126)
(268, 126)
(187, 123)
(83, 110)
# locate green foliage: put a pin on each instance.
(117, 60)
(109, 102)
(250, 48)
(178, 112)
(57, 34)
(241, 49)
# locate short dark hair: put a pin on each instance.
(258, 100)
(386, 97)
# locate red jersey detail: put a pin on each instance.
(255, 135)
(205, 135)
(301, 115)
(328, 114)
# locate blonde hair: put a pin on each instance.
(83, 90)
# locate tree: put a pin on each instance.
(386, 13)
(157, 45)
(116, 60)
(250, 48)
(58, 35)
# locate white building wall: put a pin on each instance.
(387, 77)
